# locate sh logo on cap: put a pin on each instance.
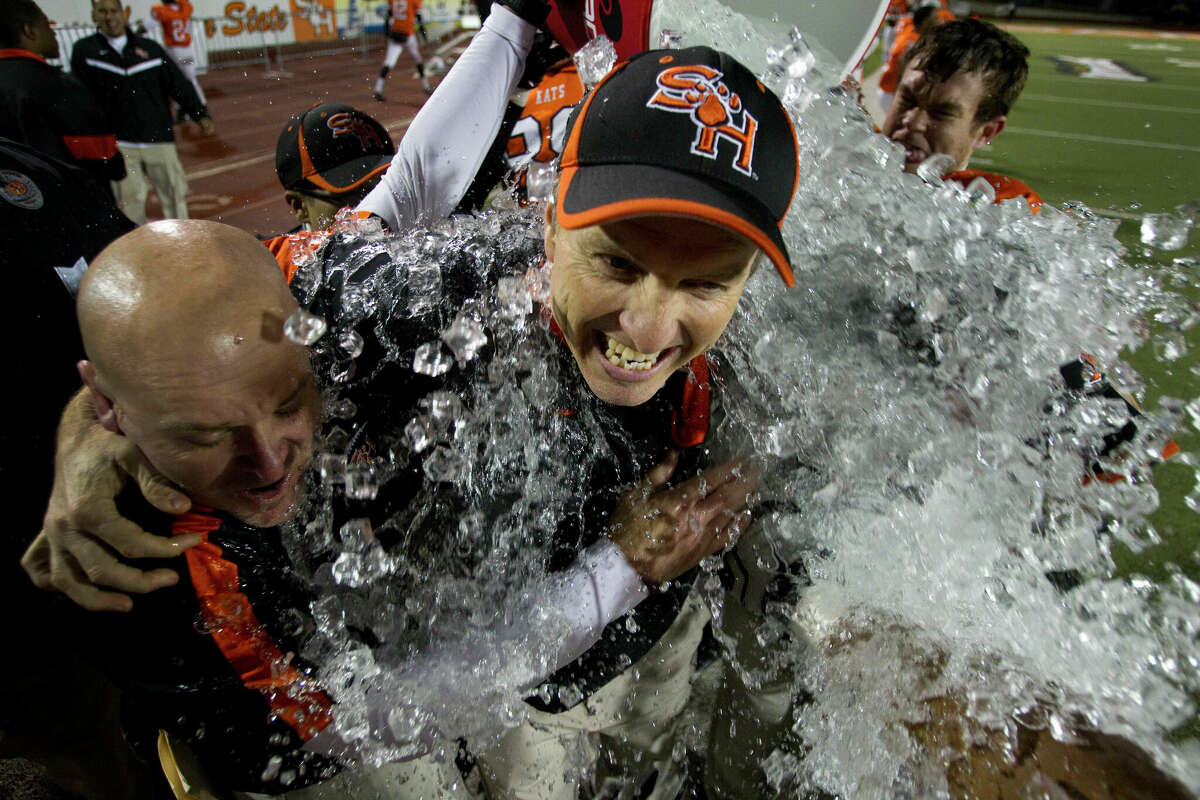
(698, 90)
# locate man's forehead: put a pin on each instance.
(964, 84)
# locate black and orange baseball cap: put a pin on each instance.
(689, 133)
(331, 149)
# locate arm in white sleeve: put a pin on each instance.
(447, 141)
(557, 622)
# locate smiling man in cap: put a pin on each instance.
(676, 176)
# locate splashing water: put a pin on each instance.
(922, 464)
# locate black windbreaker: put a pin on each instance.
(55, 114)
(133, 86)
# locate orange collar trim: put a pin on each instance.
(293, 696)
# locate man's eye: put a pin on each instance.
(710, 287)
(203, 441)
(618, 264)
(289, 410)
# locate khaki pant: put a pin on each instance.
(624, 731)
(159, 163)
(419, 779)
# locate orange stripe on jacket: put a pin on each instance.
(242, 639)
(91, 148)
(1006, 188)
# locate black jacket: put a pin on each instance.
(133, 86)
(55, 114)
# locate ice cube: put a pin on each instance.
(443, 465)
(357, 302)
(539, 182)
(512, 298)
(419, 433)
(980, 192)
(351, 343)
(935, 167)
(431, 358)
(465, 336)
(594, 60)
(1165, 231)
(304, 328)
(424, 286)
(332, 468)
(362, 481)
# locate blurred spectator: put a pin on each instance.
(175, 16)
(45, 108)
(403, 16)
(908, 31)
(132, 77)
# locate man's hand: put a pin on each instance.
(665, 532)
(207, 127)
(74, 553)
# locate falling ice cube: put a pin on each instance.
(419, 433)
(357, 302)
(539, 182)
(935, 167)
(512, 298)
(431, 358)
(594, 60)
(465, 336)
(332, 468)
(445, 408)
(980, 192)
(443, 465)
(351, 343)
(303, 328)
(362, 481)
(1165, 231)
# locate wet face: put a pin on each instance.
(640, 298)
(109, 17)
(234, 429)
(929, 116)
(40, 38)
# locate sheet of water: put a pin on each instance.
(923, 465)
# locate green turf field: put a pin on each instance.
(1124, 148)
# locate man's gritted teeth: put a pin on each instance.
(626, 357)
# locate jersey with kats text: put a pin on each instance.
(540, 132)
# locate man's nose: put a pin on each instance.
(916, 119)
(649, 317)
(266, 453)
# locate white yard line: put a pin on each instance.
(1108, 103)
(1083, 137)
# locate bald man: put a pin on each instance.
(191, 364)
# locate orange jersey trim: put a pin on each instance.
(689, 422)
(91, 148)
(1006, 188)
(17, 52)
(242, 639)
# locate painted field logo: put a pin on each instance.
(699, 91)
(1097, 68)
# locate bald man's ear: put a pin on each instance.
(296, 204)
(106, 412)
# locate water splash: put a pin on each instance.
(924, 467)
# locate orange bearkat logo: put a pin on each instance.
(699, 91)
(342, 124)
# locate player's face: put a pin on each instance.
(233, 428)
(930, 116)
(43, 41)
(109, 17)
(640, 298)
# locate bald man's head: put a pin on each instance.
(182, 322)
